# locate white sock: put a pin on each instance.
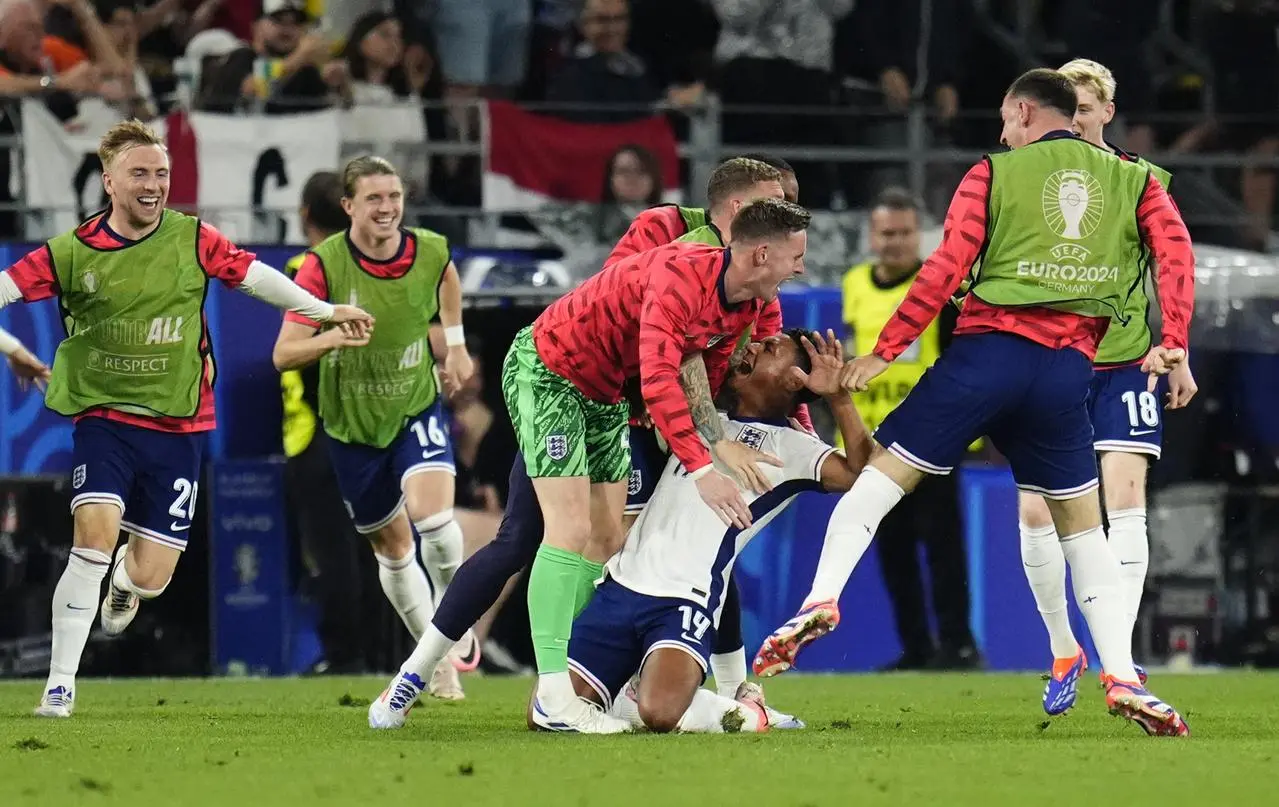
(405, 585)
(441, 549)
(852, 526)
(1131, 547)
(1045, 567)
(706, 713)
(1095, 574)
(555, 691)
(430, 651)
(121, 580)
(729, 670)
(75, 606)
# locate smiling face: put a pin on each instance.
(1091, 116)
(137, 182)
(377, 206)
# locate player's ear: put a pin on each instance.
(761, 254)
(794, 379)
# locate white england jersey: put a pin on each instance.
(679, 548)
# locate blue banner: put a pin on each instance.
(249, 569)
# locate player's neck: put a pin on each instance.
(737, 287)
(119, 224)
(381, 249)
(723, 222)
(314, 235)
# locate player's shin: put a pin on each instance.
(853, 523)
(406, 586)
(75, 604)
(441, 548)
(1131, 546)
(1045, 566)
(552, 594)
(1095, 574)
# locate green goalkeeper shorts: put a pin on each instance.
(559, 430)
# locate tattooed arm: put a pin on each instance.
(697, 388)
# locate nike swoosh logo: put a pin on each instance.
(1139, 434)
(426, 455)
(690, 639)
(1129, 562)
(73, 608)
(1036, 565)
(178, 528)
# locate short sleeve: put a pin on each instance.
(801, 454)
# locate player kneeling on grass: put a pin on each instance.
(657, 608)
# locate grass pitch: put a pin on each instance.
(891, 740)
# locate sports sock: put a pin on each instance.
(588, 574)
(441, 549)
(1045, 567)
(430, 651)
(708, 713)
(852, 526)
(552, 595)
(729, 670)
(405, 585)
(1095, 574)
(75, 604)
(1129, 543)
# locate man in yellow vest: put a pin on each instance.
(331, 550)
(872, 292)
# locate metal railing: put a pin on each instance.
(904, 148)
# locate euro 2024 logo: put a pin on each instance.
(1073, 204)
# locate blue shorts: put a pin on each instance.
(483, 41)
(648, 460)
(153, 477)
(372, 479)
(1125, 417)
(613, 636)
(1031, 400)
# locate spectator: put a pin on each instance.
(780, 54)
(375, 59)
(633, 182)
(287, 68)
(483, 48)
(383, 78)
(881, 47)
(872, 292)
(121, 24)
(603, 71)
(33, 63)
(165, 27)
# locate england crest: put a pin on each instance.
(77, 477)
(557, 446)
(635, 483)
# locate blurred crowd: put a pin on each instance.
(1194, 75)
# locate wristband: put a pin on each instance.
(703, 471)
(455, 336)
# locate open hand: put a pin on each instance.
(826, 356)
(354, 320)
(742, 462)
(722, 495)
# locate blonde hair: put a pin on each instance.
(124, 136)
(364, 166)
(1092, 76)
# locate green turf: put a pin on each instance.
(891, 740)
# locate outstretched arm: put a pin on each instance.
(941, 275)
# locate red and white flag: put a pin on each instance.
(534, 159)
